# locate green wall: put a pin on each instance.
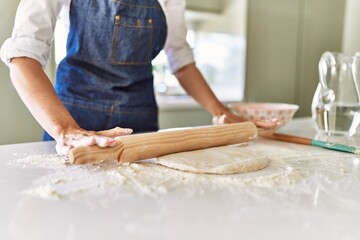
(17, 124)
(285, 41)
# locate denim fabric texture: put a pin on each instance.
(106, 78)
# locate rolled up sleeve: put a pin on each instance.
(177, 49)
(33, 31)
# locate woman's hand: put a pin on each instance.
(229, 117)
(37, 92)
(80, 137)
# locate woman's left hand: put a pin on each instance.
(229, 117)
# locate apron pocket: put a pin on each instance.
(132, 41)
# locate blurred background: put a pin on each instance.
(248, 50)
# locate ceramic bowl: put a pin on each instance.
(265, 111)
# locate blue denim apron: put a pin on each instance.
(106, 78)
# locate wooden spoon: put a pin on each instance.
(149, 145)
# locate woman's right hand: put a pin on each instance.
(79, 137)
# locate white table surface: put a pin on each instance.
(324, 204)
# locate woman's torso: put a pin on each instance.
(106, 78)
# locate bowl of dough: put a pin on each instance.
(254, 111)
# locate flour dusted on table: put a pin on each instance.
(147, 178)
(46, 192)
(51, 161)
(114, 180)
(293, 174)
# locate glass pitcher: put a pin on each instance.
(336, 103)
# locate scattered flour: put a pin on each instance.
(150, 179)
(46, 191)
(143, 178)
(293, 173)
(40, 161)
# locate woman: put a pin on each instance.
(105, 80)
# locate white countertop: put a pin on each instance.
(316, 196)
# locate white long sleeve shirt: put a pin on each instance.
(35, 22)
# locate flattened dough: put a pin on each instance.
(219, 160)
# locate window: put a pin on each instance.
(221, 59)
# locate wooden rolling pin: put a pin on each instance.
(149, 145)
